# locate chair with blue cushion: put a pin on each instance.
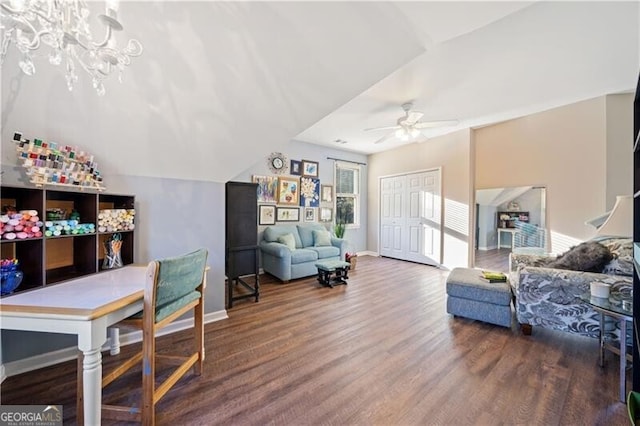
(173, 287)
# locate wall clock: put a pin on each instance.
(277, 162)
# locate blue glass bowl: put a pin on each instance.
(10, 280)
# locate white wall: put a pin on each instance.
(295, 150)
(487, 238)
(452, 152)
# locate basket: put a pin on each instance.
(353, 261)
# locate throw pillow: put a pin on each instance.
(288, 240)
(321, 238)
(589, 256)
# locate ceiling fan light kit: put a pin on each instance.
(408, 126)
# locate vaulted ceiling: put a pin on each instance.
(222, 84)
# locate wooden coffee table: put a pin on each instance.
(337, 268)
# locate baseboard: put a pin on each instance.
(367, 253)
(3, 375)
(55, 357)
(487, 248)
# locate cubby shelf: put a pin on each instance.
(49, 260)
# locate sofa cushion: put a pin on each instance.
(306, 233)
(321, 238)
(271, 233)
(622, 251)
(287, 240)
(326, 251)
(303, 255)
(590, 256)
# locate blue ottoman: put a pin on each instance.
(470, 296)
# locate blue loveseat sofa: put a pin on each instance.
(286, 263)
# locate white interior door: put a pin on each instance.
(410, 212)
(391, 216)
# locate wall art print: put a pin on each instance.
(309, 192)
(288, 191)
(310, 168)
(287, 214)
(267, 215)
(296, 167)
(267, 188)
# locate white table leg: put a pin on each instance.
(92, 386)
(114, 336)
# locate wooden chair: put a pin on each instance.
(173, 287)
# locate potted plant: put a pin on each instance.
(339, 229)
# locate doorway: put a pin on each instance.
(410, 217)
(508, 219)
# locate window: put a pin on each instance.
(347, 193)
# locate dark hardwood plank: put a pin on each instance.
(493, 260)
(381, 350)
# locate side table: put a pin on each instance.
(614, 309)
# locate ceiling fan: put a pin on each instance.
(408, 126)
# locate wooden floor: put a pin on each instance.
(380, 351)
(494, 260)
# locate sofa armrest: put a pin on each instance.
(275, 249)
(341, 243)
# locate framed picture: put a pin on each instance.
(327, 193)
(287, 214)
(266, 215)
(309, 214)
(296, 167)
(309, 192)
(267, 188)
(326, 214)
(288, 191)
(310, 168)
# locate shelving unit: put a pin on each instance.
(49, 260)
(241, 241)
(636, 236)
(513, 217)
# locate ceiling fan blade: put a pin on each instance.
(382, 128)
(413, 117)
(435, 123)
(385, 138)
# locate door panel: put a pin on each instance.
(410, 220)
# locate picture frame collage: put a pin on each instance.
(294, 198)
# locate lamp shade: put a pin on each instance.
(620, 220)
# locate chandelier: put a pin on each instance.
(63, 27)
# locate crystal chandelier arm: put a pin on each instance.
(107, 37)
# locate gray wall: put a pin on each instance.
(295, 150)
(172, 217)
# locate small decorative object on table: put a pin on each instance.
(352, 258)
(112, 249)
(10, 276)
(494, 277)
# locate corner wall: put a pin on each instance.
(452, 152)
(578, 152)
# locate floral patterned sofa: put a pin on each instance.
(551, 298)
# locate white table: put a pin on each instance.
(512, 231)
(86, 307)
